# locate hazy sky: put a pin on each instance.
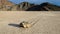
(56, 2)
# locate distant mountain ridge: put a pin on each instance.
(44, 7)
(26, 6)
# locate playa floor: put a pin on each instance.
(48, 23)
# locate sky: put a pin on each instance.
(56, 2)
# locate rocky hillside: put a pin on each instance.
(5, 5)
(26, 6)
(44, 7)
(17, 7)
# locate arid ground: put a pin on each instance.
(48, 23)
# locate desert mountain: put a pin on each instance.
(5, 5)
(44, 7)
(24, 6)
